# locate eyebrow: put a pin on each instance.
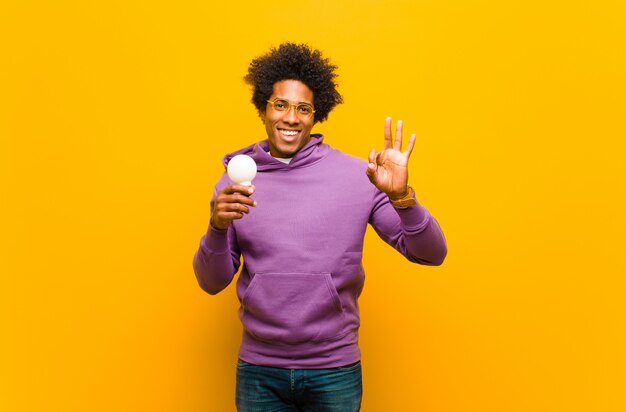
(284, 98)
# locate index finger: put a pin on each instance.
(244, 190)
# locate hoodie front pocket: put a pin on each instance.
(292, 308)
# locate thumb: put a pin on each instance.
(371, 172)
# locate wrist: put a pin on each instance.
(395, 198)
(216, 227)
(408, 199)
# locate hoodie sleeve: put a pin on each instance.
(217, 259)
(412, 231)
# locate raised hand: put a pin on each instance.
(231, 203)
(388, 170)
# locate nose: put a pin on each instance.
(290, 116)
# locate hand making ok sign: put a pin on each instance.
(388, 169)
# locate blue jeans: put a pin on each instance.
(267, 389)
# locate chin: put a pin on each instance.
(284, 151)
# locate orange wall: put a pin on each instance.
(114, 117)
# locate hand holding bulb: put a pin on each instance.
(233, 201)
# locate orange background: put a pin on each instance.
(114, 117)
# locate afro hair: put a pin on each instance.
(292, 61)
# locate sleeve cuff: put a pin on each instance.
(414, 218)
(216, 240)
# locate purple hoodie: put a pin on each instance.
(302, 247)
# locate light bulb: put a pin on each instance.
(241, 169)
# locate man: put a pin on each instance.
(300, 230)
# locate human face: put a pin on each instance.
(286, 131)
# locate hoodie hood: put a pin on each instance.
(311, 153)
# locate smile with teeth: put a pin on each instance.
(288, 133)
